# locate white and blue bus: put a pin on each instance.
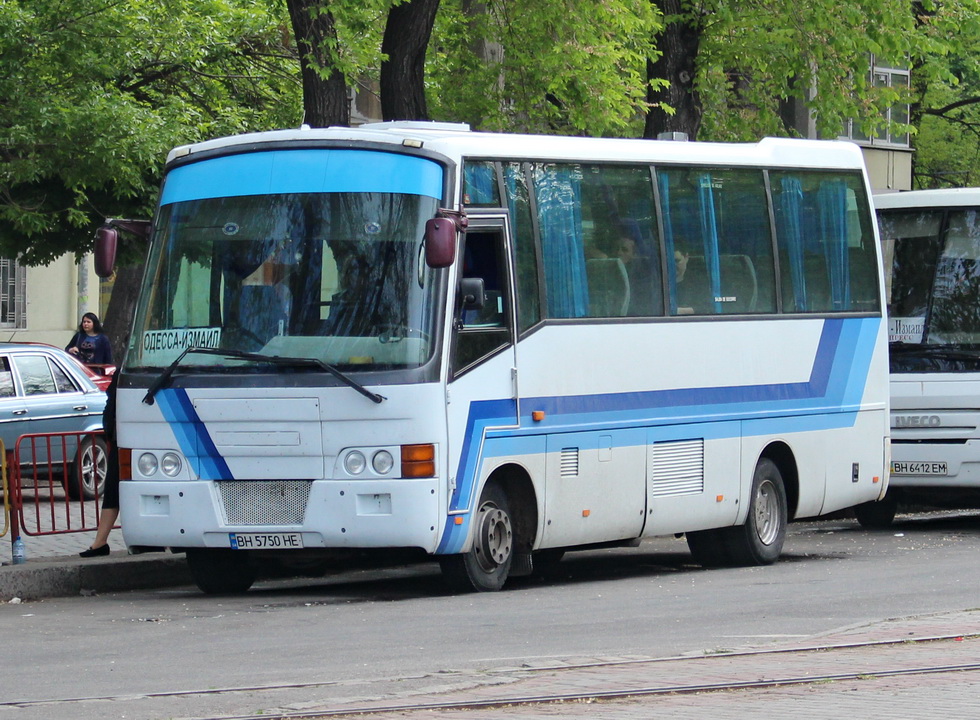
(496, 348)
(931, 246)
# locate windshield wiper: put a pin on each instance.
(164, 377)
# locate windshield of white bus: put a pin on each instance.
(336, 277)
(932, 262)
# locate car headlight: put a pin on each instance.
(147, 464)
(382, 462)
(355, 462)
(171, 464)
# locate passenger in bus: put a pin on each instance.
(685, 301)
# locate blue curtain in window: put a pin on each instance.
(669, 246)
(511, 176)
(558, 193)
(709, 236)
(832, 222)
(789, 217)
(480, 183)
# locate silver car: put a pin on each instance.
(43, 390)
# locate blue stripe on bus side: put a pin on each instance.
(830, 399)
(192, 435)
(303, 171)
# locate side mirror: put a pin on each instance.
(106, 241)
(440, 242)
(472, 293)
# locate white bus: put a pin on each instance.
(931, 245)
(495, 348)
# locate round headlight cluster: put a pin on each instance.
(170, 464)
(355, 462)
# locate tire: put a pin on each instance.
(709, 547)
(545, 562)
(218, 571)
(760, 540)
(877, 515)
(91, 460)
(487, 564)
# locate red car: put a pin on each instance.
(101, 375)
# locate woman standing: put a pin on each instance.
(110, 496)
(90, 345)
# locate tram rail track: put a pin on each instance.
(426, 702)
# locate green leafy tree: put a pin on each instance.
(756, 60)
(97, 91)
(945, 100)
(571, 67)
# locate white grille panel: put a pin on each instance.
(569, 462)
(677, 468)
(264, 502)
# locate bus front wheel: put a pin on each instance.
(217, 571)
(486, 566)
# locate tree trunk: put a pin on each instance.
(325, 100)
(403, 73)
(678, 43)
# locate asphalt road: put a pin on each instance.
(368, 632)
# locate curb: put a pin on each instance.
(66, 577)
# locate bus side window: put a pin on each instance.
(481, 330)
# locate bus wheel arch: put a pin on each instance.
(782, 455)
(504, 524)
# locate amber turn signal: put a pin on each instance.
(418, 461)
(125, 464)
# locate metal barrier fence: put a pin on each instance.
(53, 483)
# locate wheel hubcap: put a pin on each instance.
(494, 537)
(92, 460)
(767, 513)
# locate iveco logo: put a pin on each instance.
(906, 421)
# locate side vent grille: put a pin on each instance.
(264, 502)
(677, 468)
(569, 462)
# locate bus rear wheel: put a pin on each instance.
(487, 564)
(760, 540)
(217, 571)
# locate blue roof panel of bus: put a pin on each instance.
(303, 171)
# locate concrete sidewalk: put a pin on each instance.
(54, 569)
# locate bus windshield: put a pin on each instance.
(335, 277)
(933, 263)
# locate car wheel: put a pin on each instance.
(86, 476)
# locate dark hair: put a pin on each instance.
(96, 325)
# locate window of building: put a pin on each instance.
(885, 75)
(13, 295)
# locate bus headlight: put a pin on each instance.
(355, 462)
(170, 464)
(382, 462)
(147, 464)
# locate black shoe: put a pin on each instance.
(95, 552)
